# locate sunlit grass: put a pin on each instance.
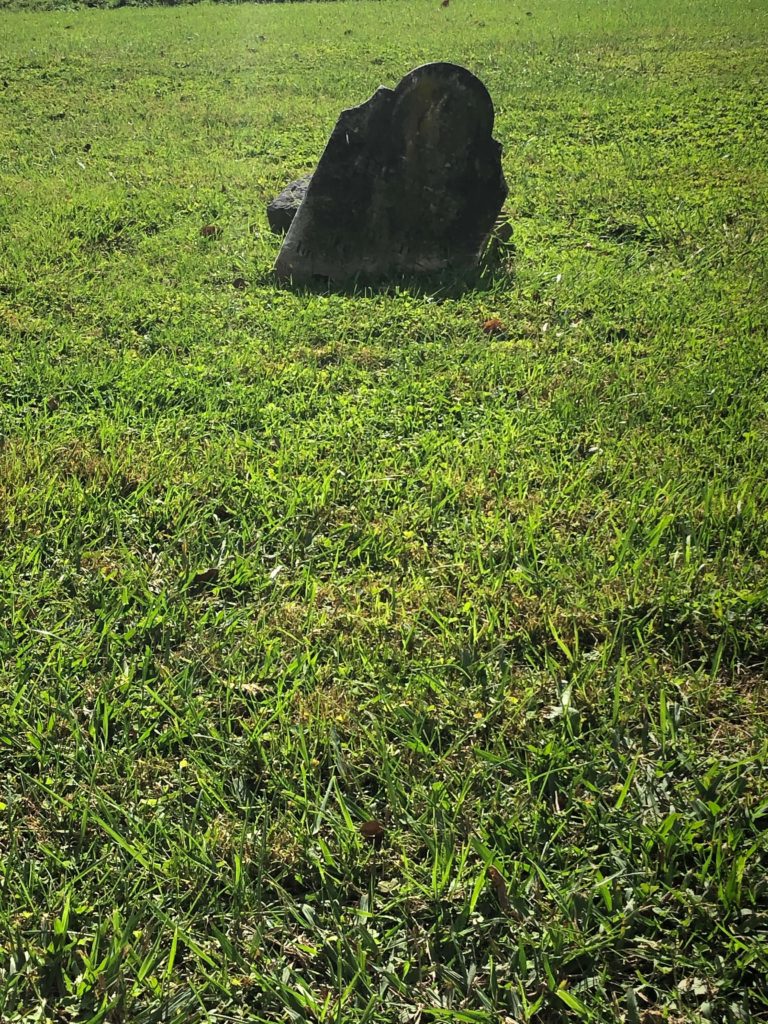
(278, 564)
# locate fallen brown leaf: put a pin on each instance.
(494, 326)
(373, 831)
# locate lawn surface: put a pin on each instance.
(274, 565)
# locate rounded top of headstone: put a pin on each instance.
(430, 82)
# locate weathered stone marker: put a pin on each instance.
(409, 182)
(283, 208)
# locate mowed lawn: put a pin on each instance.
(277, 565)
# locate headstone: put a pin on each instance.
(409, 182)
(283, 208)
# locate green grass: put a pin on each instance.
(274, 564)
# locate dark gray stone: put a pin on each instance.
(282, 209)
(409, 182)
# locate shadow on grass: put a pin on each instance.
(495, 270)
(434, 286)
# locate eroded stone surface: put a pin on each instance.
(283, 208)
(409, 182)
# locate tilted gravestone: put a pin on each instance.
(409, 182)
